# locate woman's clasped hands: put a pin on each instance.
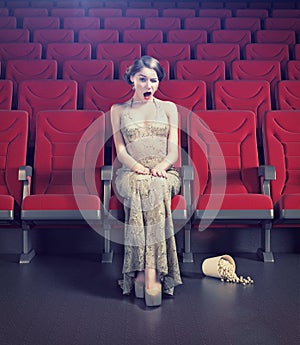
(156, 171)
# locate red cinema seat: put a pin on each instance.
(252, 12)
(68, 3)
(226, 52)
(275, 36)
(68, 51)
(118, 52)
(10, 51)
(126, 63)
(14, 35)
(143, 37)
(258, 70)
(188, 4)
(161, 4)
(208, 71)
(287, 23)
(13, 133)
(288, 95)
(215, 12)
(240, 37)
(21, 13)
(104, 12)
(6, 94)
(188, 95)
(267, 5)
(243, 23)
(4, 11)
(281, 130)
(178, 12)
(203, 23)
(120, 4)
(162, 23)
(251, 95)
(76, 24)
(18, 70)
(42, 3)
(122, 23)
(268, 51)
(8, 23)
(37, 95)
(95, 37)
(169, 51)
(284, 4)
(286, 12)
(87, 4)
(293, 70)
(297, 51)
(137, 5)
(67, 12)
(192, 37)
(34, 23)
(142, 12)
(66, 186)
(226, 187)
(84, 70)
(102, 94)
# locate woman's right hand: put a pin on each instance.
(140, 169)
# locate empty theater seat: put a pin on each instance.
(204, 23)
(242, 23)
(33, 23)
(143, 37)
(281, 130)
(13, 133)
(226, 187)
(275, 36)
(6, 94)
(293, 70)
(164, 24)
(8, 22)
(66, 186)
(240, 37)
(14, 36)
(288, 95)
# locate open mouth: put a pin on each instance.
(147, 94)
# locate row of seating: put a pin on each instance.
(223, 182)
(149, 12)
(275, 4)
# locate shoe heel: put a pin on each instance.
(139, 288)
(153, 297)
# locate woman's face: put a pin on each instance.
(145, 83)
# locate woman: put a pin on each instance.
(145, 132)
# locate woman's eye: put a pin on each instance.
(142, 79)
(153, 80)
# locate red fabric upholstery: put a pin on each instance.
(66, 3)
(6, 94)
(297, 51)
(14, 36)
(67, 12)
(240, 37)
(37, 95)
(204, 23)
(252, 12)
(118, 52)
(178, 12)
(215, 12)
(286, 12)
(33, 23)
(169, 51)
(57, 176)
(208, 71)
(105, 12)
(143, 37)
(288, 95)
(283, 23)
(76, 24)
(293, 70)
(192, 37)
(223, 151)
(275, 36)
(46, 36)
(161, 23)
(68, 51)
(251, 95)
(122, 23)
(13, 133)
(281, 130)
(243, 23)
(85, 70)
(8, 23)
(143, 12)
(226, 52)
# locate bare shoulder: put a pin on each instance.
(118, 107)
(169, 107)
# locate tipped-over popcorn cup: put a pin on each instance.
(214, 267)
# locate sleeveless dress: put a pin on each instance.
(149, 232)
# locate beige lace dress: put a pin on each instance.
(149, 232)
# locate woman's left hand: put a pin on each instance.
(159, 172)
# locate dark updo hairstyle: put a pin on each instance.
(140, 63)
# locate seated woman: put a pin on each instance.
(145, 131)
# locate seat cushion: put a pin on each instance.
(6, 203)
(288, 207)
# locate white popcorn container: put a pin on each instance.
(210, 265)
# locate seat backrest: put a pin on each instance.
(286, 12)
(6, 94)
(118, 52)
(122, 23)
(281, 134)
(261, 13)
(77, 24)
(204, 23)
(68, 4)
(297, 52)
(192, 37)
(142, 12)
(258, 70)
(14, 36)
(13, 133)
(227, 52)
(68, 51)
(104, 12)
(162, 23)
(215, 12)
(223, 151)
(251, 95)
(84, 70)
(293, 70)
(275, 36)
(33, 23)
(143, 37)
(208, 71)
(169, 51)
(243, 23)
(288, 95)
(9, 51)
(61, 137)
(46, 36)
(37, 95)
(287, 23)
(8, 22)
(178, 12)
(67, 12)
(240, 37)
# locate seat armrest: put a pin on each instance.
(106, 177)
(187, 175)
(25, 174)
(266, 173)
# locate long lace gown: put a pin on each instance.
(149, 232)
